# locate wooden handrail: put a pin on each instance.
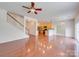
(15, 19)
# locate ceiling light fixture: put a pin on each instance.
(32, 8)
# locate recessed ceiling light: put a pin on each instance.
(43, 51)
(62, 53)
(39, 48)
(28, 50)
(44, 45)
(41, 44)
(50, 46)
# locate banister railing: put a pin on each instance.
(15, 19)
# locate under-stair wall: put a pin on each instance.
(9, 32)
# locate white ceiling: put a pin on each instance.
(51, 10)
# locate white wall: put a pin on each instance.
(7, 31)
(76, 23)
(77, 36)
(70, 28)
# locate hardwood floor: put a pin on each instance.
(39, 46)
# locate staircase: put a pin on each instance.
(17, 21)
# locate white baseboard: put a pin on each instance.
(60, 34)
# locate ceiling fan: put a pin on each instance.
(32, 8)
